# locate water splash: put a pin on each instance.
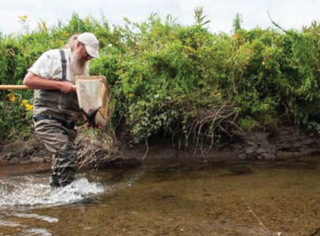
(10, 224)
(36, 232)
(35, 190)
(36, 216)
(30, 191)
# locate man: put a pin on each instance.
(56, 108)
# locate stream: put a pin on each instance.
(166, 198)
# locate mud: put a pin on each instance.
(281, 144)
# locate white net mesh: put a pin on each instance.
(93, 97)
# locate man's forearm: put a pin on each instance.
(36, 82)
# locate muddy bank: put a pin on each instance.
(94, 152)
(281, 144)
(23, 151)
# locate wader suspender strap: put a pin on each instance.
(68, 125)
(64, 64)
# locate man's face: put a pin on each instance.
(82, 52)
(79, 60)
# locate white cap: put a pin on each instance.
(91, 43)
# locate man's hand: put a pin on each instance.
(67, 87)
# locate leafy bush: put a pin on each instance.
(184, 81)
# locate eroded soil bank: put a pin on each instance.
(284, 143)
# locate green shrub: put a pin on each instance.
(164, 77)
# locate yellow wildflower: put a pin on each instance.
(24, 102)
(23, 18)
(28, 107)
(235, 36)
(131, 95)
(12, 97)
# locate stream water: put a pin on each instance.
(166, 198)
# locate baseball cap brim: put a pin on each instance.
(92, 50)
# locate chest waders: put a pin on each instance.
(54, 119)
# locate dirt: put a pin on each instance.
(285, 143)
(94, 152)
(23, 151)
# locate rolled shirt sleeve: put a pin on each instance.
(48, 65)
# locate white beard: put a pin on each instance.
(78, 67)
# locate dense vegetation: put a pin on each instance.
(180, 82)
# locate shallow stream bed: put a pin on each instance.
(166, 198)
